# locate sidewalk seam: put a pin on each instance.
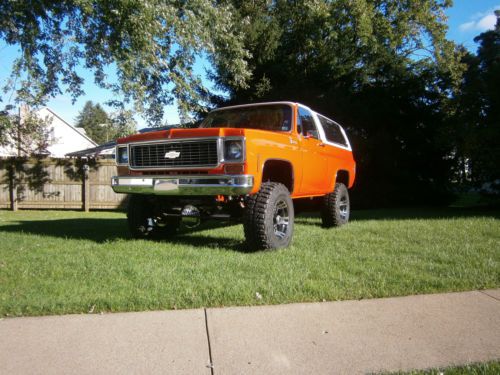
(489, 295)
(211, 364)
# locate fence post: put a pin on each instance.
(86, 188)
(12, 188)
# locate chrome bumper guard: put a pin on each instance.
(183, 185)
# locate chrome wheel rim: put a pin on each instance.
(344, 208)
(281, 219)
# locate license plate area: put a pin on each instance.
(166, 185)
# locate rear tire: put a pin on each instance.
(336, 209)
(268, 218)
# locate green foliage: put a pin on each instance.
(25, 134)
(383, 69)
(152, 44)
(312, 45)
(477, 136)
(123, 123)
(96, 122)
(101, 127)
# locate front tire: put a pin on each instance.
(336, 208)
(143, 222)
(269, 217)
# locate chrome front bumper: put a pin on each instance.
(183, 185)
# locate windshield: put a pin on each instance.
(275, 117)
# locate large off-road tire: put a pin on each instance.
(142, 221)
(268, 218)
(336, 208)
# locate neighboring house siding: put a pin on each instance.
(8, 151)
(64, 138)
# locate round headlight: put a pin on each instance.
(122, 155)
(234, 150)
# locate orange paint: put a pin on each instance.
(314, 163)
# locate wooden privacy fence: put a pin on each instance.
(58, 184)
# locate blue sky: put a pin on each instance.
(466, 19)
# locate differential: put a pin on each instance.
(190, 216)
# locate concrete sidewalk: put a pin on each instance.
(318, 338)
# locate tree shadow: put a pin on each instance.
(25, 174)
(96, 230)
(412, 213)
(106, 230)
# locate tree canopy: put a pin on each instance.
(477, 120)
(308, 48)
(152, 44)
(382, 68)
(422, 113)
(25, 134)
(101, 127)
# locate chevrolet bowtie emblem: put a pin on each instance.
(172, 155)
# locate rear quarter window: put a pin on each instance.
(332, 131)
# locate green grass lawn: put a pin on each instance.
(488, 368)
(54, 262)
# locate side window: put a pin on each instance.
(332, 131)
(306, 123)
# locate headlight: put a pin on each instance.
(233, 150)
(121, 155)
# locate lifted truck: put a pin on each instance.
(247, 163)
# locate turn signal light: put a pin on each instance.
(234, 169)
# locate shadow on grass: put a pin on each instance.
(96, 230)
(408, 214)
(103, 230)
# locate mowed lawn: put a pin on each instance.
(488, 368)
(54, 262)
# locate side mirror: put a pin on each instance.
(311, 134)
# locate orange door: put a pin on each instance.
(314, 161)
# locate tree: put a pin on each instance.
(305, 48)
(101, 127)
(26, 134)
(152, 44)
(123, 124)
(479, 109)
(382, 68)
(96, 122)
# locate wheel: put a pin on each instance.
(268, 218)
(140, 216)
(335, 208)
(142, 221)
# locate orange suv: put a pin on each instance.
(247, 163)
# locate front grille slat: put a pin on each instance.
(202, 153)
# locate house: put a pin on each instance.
(63, 137)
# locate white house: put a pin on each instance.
(64, 138)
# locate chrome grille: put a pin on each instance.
(199, 153)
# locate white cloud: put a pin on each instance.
(487, 23)
(467, 26)
(481, 21)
